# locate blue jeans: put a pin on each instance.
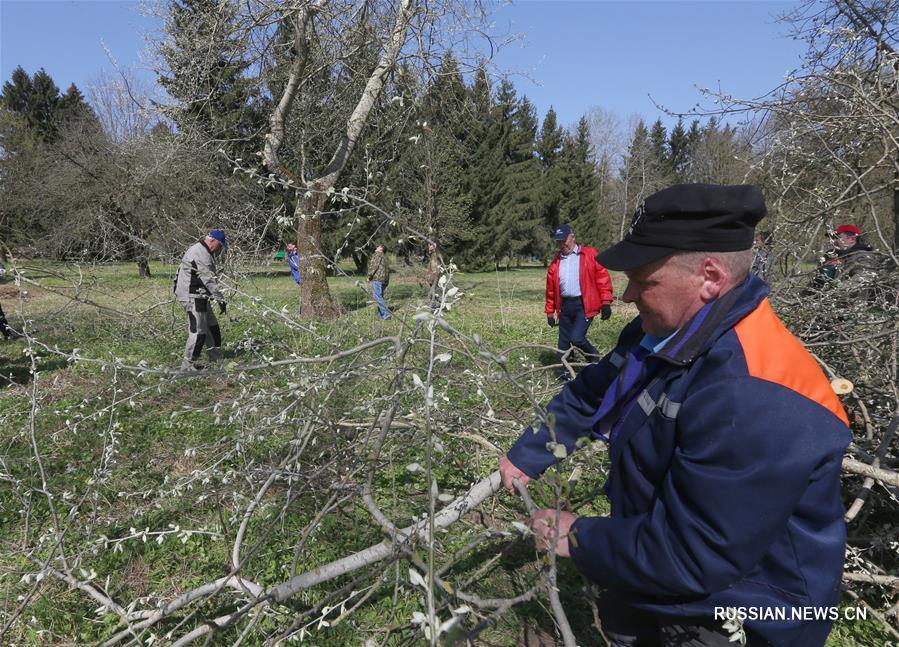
(573, 327)
(377, 291)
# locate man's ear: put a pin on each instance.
(714, 279)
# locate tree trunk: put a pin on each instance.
(143, 267)
(315, 297)
(359, 260)
(896, 208)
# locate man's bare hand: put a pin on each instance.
(508, 472)
(543, 523)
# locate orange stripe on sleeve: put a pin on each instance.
(774, 354)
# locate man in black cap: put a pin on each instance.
(577, 289)
(725, 443)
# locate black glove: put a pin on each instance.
(222, 307)
(605, 312)
(551, 321)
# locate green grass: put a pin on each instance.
(122, 450)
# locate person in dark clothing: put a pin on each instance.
(725, 440)
(5, 330)
(379, 278)
(853, 258)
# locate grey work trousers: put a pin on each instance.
(202, 329)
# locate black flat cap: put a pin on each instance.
(688, 217)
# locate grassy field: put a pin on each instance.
(136, 480)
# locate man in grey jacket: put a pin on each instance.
(195, 285)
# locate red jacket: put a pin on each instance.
(596, 285)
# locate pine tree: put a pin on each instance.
(694, 137)
(207, 72)
(45, 112)
(549, 151)
(580, 198)
(658, 139)
(485, 172)
(549, 145)
(73, 112)
(36, 99)
(640, 175)
(678, 146)
(42, 105)
(515, 216)
(17, 92)
(448, 113)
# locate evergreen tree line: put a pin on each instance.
(72, 188)
(465, 163)
(473, 168)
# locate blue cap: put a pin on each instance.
(219, 235)
(562, 232)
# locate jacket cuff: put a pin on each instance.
(529, 454)
(582, 546)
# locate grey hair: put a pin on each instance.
(736, 263)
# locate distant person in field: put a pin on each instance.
(379, 278)
(725, 444)
(4, 324)
(195, 286)
(577, 289)
(761, 255)
(293, 261)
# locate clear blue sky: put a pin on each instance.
(66, 37)
(582, 54)
(616, 54)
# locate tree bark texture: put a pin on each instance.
(315, 297)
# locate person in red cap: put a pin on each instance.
(853, 257)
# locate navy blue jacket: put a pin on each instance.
(725, 471)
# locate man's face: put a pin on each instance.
(666, 295)
(846, 240)
(567, 246)
(214, 245)
(291, 248)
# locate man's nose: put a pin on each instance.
(630, 294)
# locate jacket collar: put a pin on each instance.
(576, 252)
(206, 247)
(712, 321)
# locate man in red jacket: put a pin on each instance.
(577, 289)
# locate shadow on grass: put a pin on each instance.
(272, 273)
(515, 574)
(17, 370)
(396, 297)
